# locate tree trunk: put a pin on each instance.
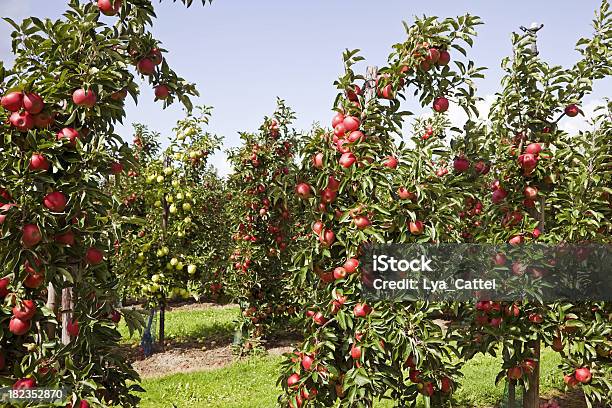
(162, 326)
(67, 308)
(532, 395)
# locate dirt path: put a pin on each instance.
(190, 359)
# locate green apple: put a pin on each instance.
(187, 220)
(188, 195)
(177, 156)
(180, 234)
(175, 183)
(193, 155)
(179, 266)
(159, 253)
(174, 261)
(191, 269)
(155, 278)
(186, 207)
(168, 171)
(160, 179)
(170, 199)
(169, 266)
(172, 209)
(150, 179)
(179, 196)
(154, 287)
(158, 204)
(165, 250)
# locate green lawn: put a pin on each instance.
(186, 325)
(252, 383)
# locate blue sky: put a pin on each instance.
(242, 54)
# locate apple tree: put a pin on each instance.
(61, 101)
(173, 242)
(360, 184)
(264, 225)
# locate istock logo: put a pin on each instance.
(385, 263)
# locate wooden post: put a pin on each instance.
(51, 305)
(67, 308)
(531, 398)
(162, 325)
(370, 83)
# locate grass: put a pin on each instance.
(244, 384)
(252, 383)
(192, 325)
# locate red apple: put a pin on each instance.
(536, 318)
(317, 227)
(328, 195)
(33, 103)
(361, 310)
(23, 121)
(351, 123)
(529, 365)
(317, 160)
(69, 134)
(533, 148)
(115, 316)
(18, 326)
(4, 282)
(557, 344)
(333, 184)
(319, 319)
(31, 235)
(482, 167)
(24, 384)
(303, 190)
(570, 380)
(446, 385)
(38, 162)
(572, 110)
(390, 162)
(362, 222)
(337, 119)
(515, 373)
(146, 66)
(499, 195)
(109, 7)
(433, 55)
(94, 256)
(339, 273)
(327, 238)
(516, 240)
(461, 164)
(293, 380)
(416, 227)
(43, 120)
(65, 238)
(440, 104)
(24, 310)
(55, 202)
(116, 168)
(415, 376)
(356, 136)
(307, 362)
(13, 101)
(583, 375)
(444, 58)
(81, 97)
(156, 56)
(355, 352)
(530, 192)
(427, 389)
(73, 328)
(347, 160)
(351, 265)
(162, 91)
(404, 194)
(34, 281)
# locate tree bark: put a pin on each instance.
(51, 305)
